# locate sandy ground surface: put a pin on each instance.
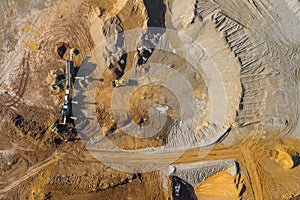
(241, 103)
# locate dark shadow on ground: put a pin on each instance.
(84, 123)
(182, 190)
(296, 160)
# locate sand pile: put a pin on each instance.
(219, 186)
(285, 156)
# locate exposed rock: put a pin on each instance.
(182, 13)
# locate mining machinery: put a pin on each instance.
(66, 114)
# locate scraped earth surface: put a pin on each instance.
(213, 81)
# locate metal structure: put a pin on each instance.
(70, 76)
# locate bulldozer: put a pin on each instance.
(121, 82)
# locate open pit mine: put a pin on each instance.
(150, 99)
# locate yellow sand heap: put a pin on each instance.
(219, 186)
(26, 29)
(32, 46)
(283, 156)
(5, 86)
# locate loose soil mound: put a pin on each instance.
(219, 186)
(285, 156)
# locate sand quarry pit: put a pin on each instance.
(209, 88)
